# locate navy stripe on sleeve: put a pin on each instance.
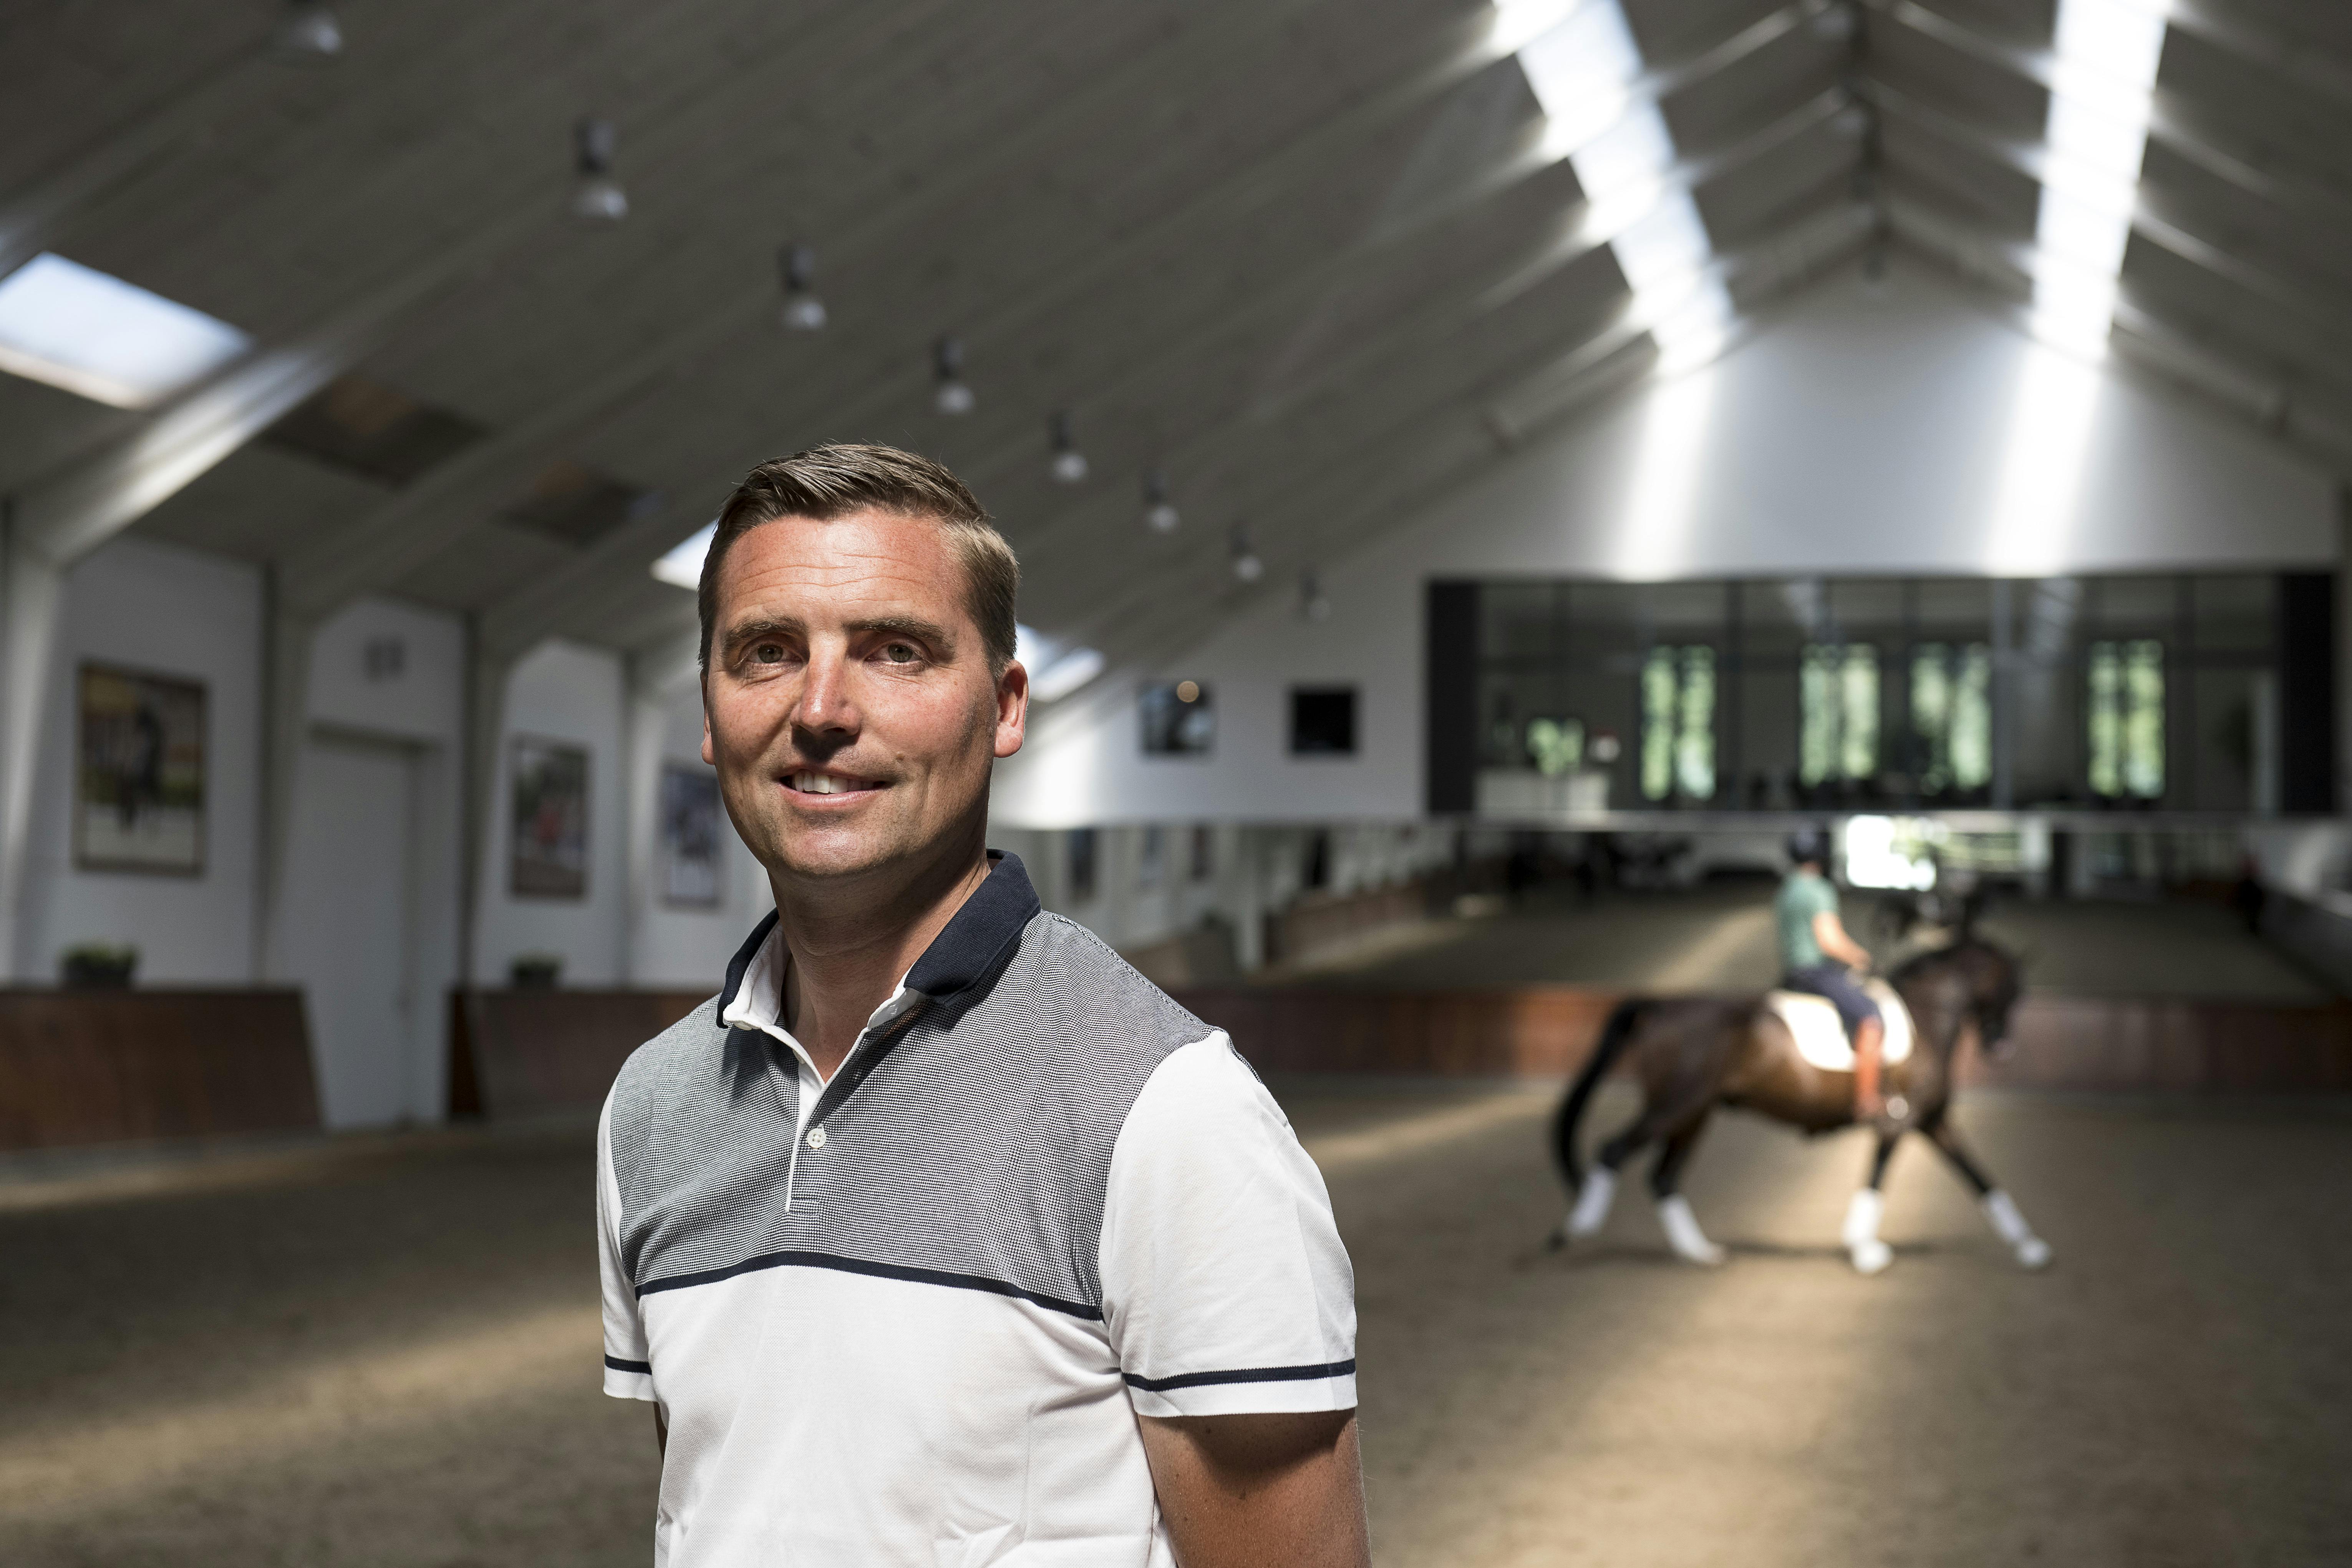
(1246, 1374)
(617, 1364)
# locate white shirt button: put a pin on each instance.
(816, 1137)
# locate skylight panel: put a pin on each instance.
(1582, 70)
(1056, 667)
(681, 564)
(2102, 84)
(91, 333)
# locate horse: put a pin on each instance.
(1694, 1054)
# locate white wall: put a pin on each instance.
(561, 692)
(1900, 432)
(156, 607)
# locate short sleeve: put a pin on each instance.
(628, 1365)
(1225, 1287)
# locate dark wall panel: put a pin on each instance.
(1452, 729)
(2307, 691)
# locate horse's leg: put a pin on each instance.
(1683, 1234)
(1869, 1253)
(1999, 1208)
(1600, 1190)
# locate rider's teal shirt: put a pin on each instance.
(1802, 896)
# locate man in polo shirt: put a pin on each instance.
(941, 1235)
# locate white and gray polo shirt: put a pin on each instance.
(911, 1316)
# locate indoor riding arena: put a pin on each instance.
(1713, 631)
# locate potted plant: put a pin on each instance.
(97, 967)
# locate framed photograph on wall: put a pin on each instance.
(139, 786)
(548, 855)
(693, 835)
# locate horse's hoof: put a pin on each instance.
(2034, 1253)
(1556, 1240)
(1871, 1257)
(1709, 1257)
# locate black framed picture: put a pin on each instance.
(1322, 720)
(139, 784)
(693, 837)
(1179, 719)
(549, 856)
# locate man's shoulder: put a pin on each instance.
(681, 1051)
(1065, 977)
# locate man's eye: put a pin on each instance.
(899, 653)
(768, 653)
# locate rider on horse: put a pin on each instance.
(1818, 956)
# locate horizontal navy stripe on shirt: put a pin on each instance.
(1248, 1374)
(617, 1364)
(877, 1271)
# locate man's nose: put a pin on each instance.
(827, 706)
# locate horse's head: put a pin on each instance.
(1974, 981)
(1995, 980)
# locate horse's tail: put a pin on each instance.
(1615, 1035)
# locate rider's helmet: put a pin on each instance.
(1809, 846)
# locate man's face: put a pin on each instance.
(849, 709)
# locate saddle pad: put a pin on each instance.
(1820, 1037)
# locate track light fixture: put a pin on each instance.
(1313, 603)
(1069, 465)
(598, 197)
(803, 311)
(1159, 513)
(309, 32)
(951, 397)
(1246, 564)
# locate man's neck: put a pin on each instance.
(849, 948)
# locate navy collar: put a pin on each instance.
(965, 953)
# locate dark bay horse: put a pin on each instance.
(1693, 1055)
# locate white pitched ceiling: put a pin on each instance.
(1314, 258)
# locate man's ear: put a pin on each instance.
(1012, 708)
(707, 755)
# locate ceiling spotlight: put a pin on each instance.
(1069, 465)
(598, 197)
(803, 311)
(309, 32)
(1246, 564)
(1313, 603)
(951, 396)
(1158, 513)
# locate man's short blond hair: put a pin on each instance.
(827, 482)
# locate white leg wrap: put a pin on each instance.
(2000, 1212)
(1683, 1233)
(1591, 1211)
(1869, 1253)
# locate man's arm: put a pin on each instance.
(1260, 1491)
(1829, 931)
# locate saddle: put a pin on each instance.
(1821, 1033)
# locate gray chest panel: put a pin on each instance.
(975, 1149)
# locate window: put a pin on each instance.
(93, 334)
(2125, 718)
(1081, 842)
(1837, 693)
(1204, 852)
(1179, 719)
(1951, 716)
(1151, 859)
(1323, 722)
(1678, 723)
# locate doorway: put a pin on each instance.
(347, 924)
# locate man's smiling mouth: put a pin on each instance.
(829, 784)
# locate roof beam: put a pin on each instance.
(444, 507)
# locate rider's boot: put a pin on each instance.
(1869, 1253)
